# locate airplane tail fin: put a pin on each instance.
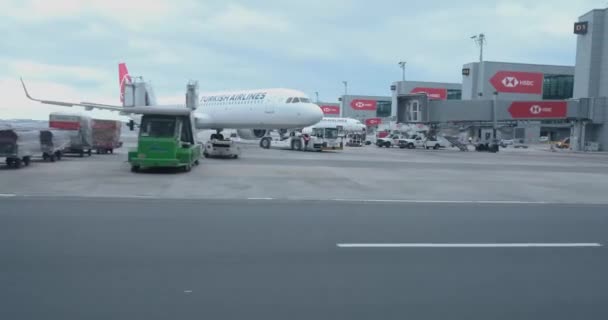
(123, 78)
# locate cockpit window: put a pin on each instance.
(296, 100)
(289, 100)
(305, 100)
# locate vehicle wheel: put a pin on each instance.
(98, 152)
(427, 148)
(134, 168)
(196, 162)
(45, 156)
(10, 162)
(89, 152)
(17, 163)
(236, 156)
(52, 158)
(206, 155)
(111, 151)
(58, 155)
(297, 145)
(265, 143)
(410, 146)
(81, 153)
(436, 147)
(26, 161)
(387, 144)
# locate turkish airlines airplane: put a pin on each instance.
(263, 109)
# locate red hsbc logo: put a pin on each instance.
(518, 82)
(330, 109)
(373, 122)
(538, 109)
(361, 104)
(433, 93)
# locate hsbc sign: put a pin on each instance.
(363, 104)
(538, 109)
(327, 109)
(518, 82)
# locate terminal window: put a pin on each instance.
(383, 109)
(558, 87)
(454, 94)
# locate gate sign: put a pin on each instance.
(581, 27)
(518, 82)
(538, 109)
(330, 109)
(373, 122)
(362, 104)
(433, 93)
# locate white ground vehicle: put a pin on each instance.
(295, 141)
(219, 147)
(309, 139)
(392, 140)
(421, 141)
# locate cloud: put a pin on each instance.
(15, 105)
(238, 18)
(36, 70)
(134, 14)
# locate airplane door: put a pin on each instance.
(268, 107)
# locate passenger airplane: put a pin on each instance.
(261, 109)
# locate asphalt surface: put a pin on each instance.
(109, 258)
(354, 173)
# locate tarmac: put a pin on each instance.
(365, 173)
(118, 258)
(360, 233)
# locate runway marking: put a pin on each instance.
(443, 201)
(7, 195)
(260, 198)
(187, 291)
(467, 245)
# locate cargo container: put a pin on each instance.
(106, 135)
(81, 138)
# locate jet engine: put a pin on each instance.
(251, 134)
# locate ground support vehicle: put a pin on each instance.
(166, 139)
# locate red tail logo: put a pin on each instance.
(123, 78)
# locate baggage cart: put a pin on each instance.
(18, 146)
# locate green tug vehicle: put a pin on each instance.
(166, 140)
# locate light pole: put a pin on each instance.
(345, 83)
(402, 65)
(480, 40)
(317, 96)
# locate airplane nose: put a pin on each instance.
(314, 114)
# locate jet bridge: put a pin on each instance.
(585, 116)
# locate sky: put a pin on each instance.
(69, 49)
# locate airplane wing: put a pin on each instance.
(87, 105)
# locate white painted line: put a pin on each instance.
(466, 245)
(187, 291)
(442, 201)
(7, 195)
(260, 198)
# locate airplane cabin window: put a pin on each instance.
(295, 100)
(289, 100)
